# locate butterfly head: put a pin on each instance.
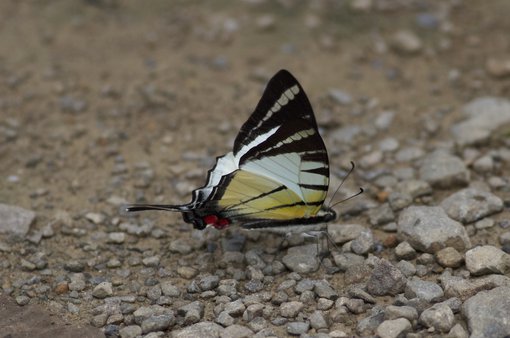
(201, 222)
(326, 214)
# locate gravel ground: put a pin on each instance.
(108, 102)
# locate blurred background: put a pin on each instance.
(97, 92)
(105, 102)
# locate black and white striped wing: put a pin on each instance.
(277, 173)
(280, 143)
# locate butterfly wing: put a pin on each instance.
(283, 169)
(278, 171)
(247, 197)
(283, 100)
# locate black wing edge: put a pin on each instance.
(298, 108)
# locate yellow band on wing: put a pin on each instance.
(253, 196)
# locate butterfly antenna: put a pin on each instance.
(342, 183)
(348, 198)
(142, 207)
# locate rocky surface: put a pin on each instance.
(36, 321)
(107, 102)
(487, 313)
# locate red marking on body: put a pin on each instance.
(221, 223)
(215, 221)
(210, 219)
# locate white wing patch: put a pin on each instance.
(224, 166)
(283, 169)
(258, 140)
(311, 178)
(229, 163)
(287, 168)
(311, 165)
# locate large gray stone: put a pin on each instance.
(346, 260)
(428, 291)
(15, 220)
(203, 329)
(103, 290)
(414, 188)
(488, 312)
(487, 259)
(323, 289)
(302, 259)
(393, 328)
(455, 286)
(158, 322)
(429, 229)
(470, 204)
(317, 320)
(131, 331)
(483, 116)
(341, 233)
(386, 279)
(298, 328)
(439, 316)
(369, 324)
(146, 312)
(290, 309)
(394, 312)
(443, 170)
(192, 312)
(237, 331)
(363, 244)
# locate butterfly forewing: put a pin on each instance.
(283, 164)
(283, 101)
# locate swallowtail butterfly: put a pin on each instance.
(277, 175)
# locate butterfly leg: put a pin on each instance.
(318, 235)
(284, 243)
(330, 241)
(322, 254)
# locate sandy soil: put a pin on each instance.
(110, 101)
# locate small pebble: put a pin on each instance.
(405, 251)
(116, 237)
(103, 290)
(440, 317)
(393, 328)
(290, 309)
(297, 328)
(130, 331)
(406, 43)
(487, 259)
(22, 300)
(449, 257)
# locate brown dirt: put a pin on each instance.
(165, 83)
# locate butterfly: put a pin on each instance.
(276, 177)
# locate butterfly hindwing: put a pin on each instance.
(250, 196)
